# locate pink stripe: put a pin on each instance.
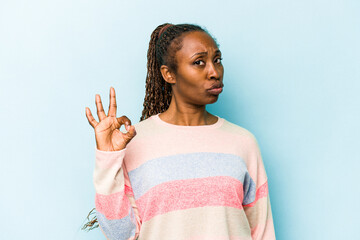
(261, 192)
(128, 191)
(113, 206)
(190, 193)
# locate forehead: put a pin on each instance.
(194, 42)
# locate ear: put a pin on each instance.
(167, 74)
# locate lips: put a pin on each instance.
(216, 89)
(217, 85)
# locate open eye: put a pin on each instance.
(218, 60)
(199, 62)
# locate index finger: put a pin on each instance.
(112, 105)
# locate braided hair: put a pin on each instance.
(165, 41)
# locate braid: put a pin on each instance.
(154, 97)
(165, 41)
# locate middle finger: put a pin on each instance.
(112, 105)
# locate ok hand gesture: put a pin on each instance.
(107, 130)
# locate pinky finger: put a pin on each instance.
(90, 118)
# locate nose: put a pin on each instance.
(214, 72)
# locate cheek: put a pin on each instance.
(195, 84)
(188, 85)
(221, 70)
(189, 78)
(191, 82)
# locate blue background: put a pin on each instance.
(292, 72)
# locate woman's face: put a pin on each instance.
(199, 69)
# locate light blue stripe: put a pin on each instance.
(189, 166)
(118, 229)
(249, 187)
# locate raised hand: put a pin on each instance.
(107, 130)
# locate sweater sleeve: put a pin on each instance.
(116, 211)
(256, 201)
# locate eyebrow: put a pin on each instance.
(205, 53)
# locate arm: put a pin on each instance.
(114, 199)
(256, 197)
(115, 209)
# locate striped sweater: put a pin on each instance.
(177, 182)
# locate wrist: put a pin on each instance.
(107, 148)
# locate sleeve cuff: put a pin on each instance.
(109, 152)
(106, 159)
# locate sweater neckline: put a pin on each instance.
(217, 124)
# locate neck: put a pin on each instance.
(181, 113)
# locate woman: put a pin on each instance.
(181, 172)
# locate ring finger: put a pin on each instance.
(100, 110)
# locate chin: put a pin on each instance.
(207, 99)
(213, 99)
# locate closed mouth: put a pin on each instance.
(220, 85)
(215, 91)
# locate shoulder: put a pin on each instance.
(147, 127)
(144, 124)
(241, 136)
(246, 144)
(238, 130)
